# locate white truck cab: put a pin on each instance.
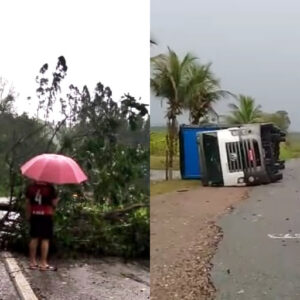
(239, 156)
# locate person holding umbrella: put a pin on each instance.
(41, 197)
(41, 201)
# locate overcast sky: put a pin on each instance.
(254, 47)
(106, 41)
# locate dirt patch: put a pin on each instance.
(184, 238)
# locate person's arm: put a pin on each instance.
(55, 198)
(27, 209)
(55, 202)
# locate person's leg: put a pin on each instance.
(32, 251)
(47, 233)
(34, 241)
(44, 252)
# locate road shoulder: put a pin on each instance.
(20, 282)
(184, 238)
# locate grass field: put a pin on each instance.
(159, 162)
(158, 150)
(158, 143)
(289, 151)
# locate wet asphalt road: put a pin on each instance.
(7, 290)
(90, 279)
(254, 260)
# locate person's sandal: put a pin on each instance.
(33, 267)
(48, 268)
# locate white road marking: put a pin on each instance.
(284, 236)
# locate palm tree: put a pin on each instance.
(245, 111)
(169, 74)
(202, 90)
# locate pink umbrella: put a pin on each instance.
(53, 168)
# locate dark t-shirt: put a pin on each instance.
(41, 197)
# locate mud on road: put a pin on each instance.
(184, 238)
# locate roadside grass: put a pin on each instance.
(158, 143)
(290, 150)
(158, 151)
(158, 163)
(163, 187)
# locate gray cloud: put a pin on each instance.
(254, 47)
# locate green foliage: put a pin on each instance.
(186, 85)
(7, 97)
(279, 118)
(202, 90)
(244, 112)
(168, 81)
(159, 162)
(109, 139)
(109, 143)
(20, 139)
(158, 150)
(291, 148)
(158, 143)
(81, 227)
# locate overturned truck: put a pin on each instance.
(239, 156)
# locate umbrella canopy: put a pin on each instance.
(53, 168)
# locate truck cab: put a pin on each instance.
(239, 156)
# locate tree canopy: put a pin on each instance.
(184, 84)
(108, 214)
(245, 111)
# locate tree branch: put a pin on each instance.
(115, 215)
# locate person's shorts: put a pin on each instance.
(41, 226)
